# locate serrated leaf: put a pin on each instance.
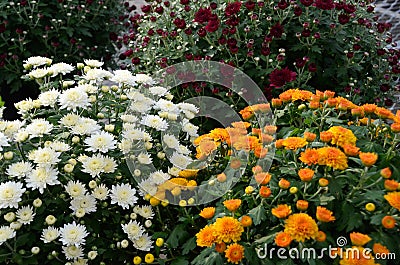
(180, 261)
(258, 214)
(324, 200)
(188, 246)
(176, 235)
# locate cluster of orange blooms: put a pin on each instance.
(237, 137)
(328, 99)
(225, 230)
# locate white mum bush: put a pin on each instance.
(67, 195)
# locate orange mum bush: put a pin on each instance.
(301, 227)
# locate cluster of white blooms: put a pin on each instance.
(64, 162)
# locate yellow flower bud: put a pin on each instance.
(160, 242)
(137, 260)
(249, 189)
(370, 207)
(149, 258)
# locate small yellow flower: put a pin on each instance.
(149, 258)
(370, 207)
(160, 242)
(182, 203)
(249, 190)
(293, 190)
(137, 260)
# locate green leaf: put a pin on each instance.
(188, 246)
(177, 235)
(258, 214)
(180, 261)
(325, 199)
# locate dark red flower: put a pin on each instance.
(283, 4)
(187, 8)
(180, 23)
(2, 27)
(306, 33)
(184, 2)
(202, 15)
(343, 19)
(324, 4)
(388, 102)
(159, 9)
(213, 6)
(188, 31)
(312, 67)
(380, 52)
(276, 30)
(297, 11)
(232, 42)
(202, 32)
(350, 55)
(222, 40)
(307, 2)
(232, 8)
(300, 62)
(384, 87)
(113, 36)
(212, 25)
(279, 77)
(356, 47)
(350, 8)
(234, 49)
(265, 51)
(250, 5)
(146, 8)
(370, 9)
(233, 21)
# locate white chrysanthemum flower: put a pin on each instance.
(41, 177)
(70, 120)
(6, 233)
(80, 262)
(25, 215)
(155, 122)
(85, 202)
(158, 90)
(159, 177)
(89, 88)
(180, 161)
(189, 128)
(174, 171)
(36, 61)
(171, 141)
(49, 98)
(3, 141)
(73, 234)
(133, 134)
(141, 106)
(38, 73)
(97, 74)
(167, 106)
(127, 118)
(134, 95)
(183, 150)
(60, 68)
(74, 98)
(19, 169)
(123, 195)
(188, 107)
(10, 194)
(143, 79)
(133, 229)
(24, 106)
(50, 234)
(44, 155)
(72, 252)
(38, 128)
(144, 158)
(59, 146)
(75, 189)
(85, 126)
(94, 165)
(101, 192)
(146, 211)
(12, 127)
(143, 243)
(109, 164)
(102, 142)
(93, 63)
(125, 146)
(148, 187)
(123, 77)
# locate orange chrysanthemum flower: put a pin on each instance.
(326, 137)
(388, 222)
(342, 136)
(295, 94)
(294, 143)
(260, 152)
(357, 111)
(323, 182)
(359, 239)
(219, 134)
(395, 127)
(228, 229)
(351, 150)
(332, 157)
(384, 113)
(246, 221)
(247, 113)
(357, 255)
(369, 108)
(302, 205)
(241, 124)
(270, 129)
(220, 247)
(386, 173)
(234, 253)
(206, 236)
(309, 157)
(262, 178)
(380, 249)
(207, 213)
(265, 192)
(324, 215)
(391, 184)
(368, 159)
(188, 173)
(394, 199)
(279, 143)
(256, 169)
(331, 102)
(283, 239)
(309, 136)
(282, 211)
(321, 237)
(284, 184)
(232, 205)
(306, 174)
(301, 226)
(314, 104)
(276, 102)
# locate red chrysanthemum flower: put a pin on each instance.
(279, 77)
